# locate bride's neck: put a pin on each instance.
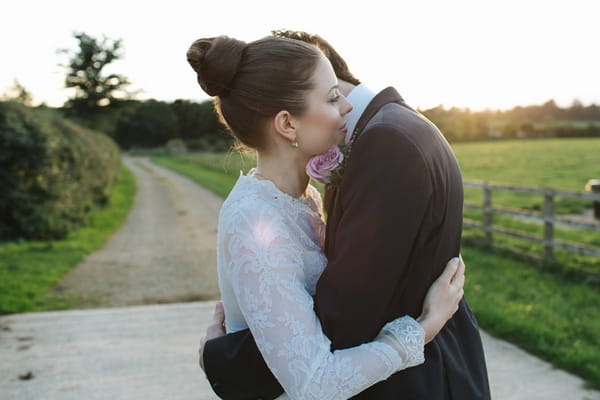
(286, 171)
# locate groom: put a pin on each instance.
(393, 222)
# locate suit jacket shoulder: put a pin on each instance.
(412, 127)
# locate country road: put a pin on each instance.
(164, 252)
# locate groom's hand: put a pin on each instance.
(214, 330)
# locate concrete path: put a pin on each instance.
(142, 352)
(150, 352)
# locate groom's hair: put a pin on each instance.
(337, 62)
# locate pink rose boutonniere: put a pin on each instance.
(327, 167)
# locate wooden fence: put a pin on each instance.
(547, 217)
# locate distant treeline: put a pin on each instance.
(151, 123)
(537, 121)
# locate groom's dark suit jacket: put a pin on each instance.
(393, 223)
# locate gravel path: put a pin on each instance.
(164, 252)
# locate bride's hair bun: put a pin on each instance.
(253, 82)
(216, 61)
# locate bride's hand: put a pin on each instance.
(443, 298)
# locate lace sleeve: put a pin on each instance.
(264, 264)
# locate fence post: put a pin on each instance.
(549, 224)
(487, 213)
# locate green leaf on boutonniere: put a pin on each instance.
(337, 174)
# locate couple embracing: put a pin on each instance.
(369, 305)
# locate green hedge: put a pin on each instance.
(52, 173)
(29, 269)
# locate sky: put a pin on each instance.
(464, 53)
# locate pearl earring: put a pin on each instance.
(294, 144)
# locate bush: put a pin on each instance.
(175, 147)
(52, 173)
(151, 124)
(211, 144)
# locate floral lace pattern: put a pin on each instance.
(269, 260)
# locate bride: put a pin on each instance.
(280, 97)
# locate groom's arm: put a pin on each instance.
(385, 194)
(236, 370)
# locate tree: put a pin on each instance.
(18, 93)
(93, 89)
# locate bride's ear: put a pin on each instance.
(285, 125)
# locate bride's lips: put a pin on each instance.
(343, 129)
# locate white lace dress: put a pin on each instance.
(269, 260)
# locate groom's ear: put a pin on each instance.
(285, 125)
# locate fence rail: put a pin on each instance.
(547, 217)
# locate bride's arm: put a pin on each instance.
(265, 266)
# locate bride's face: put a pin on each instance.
(321, 126)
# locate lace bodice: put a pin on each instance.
(269, 260)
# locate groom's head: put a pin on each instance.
(337, 62)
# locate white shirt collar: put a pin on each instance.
(359, 97)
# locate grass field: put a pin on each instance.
(556, 163)
(29, 269)
(555, 318)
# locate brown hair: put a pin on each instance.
(337, 62)
(254, 81)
